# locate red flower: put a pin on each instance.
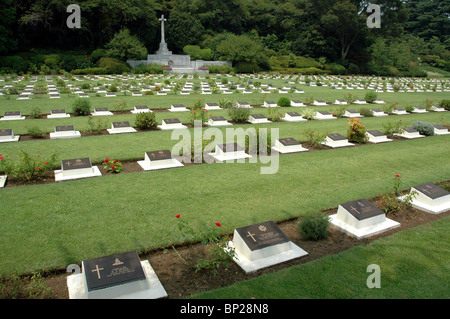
(1, 158)
(106, 160)
(38, 168)
(113, 167)
(177, 216)
(397, 175)
(46, 162)
(218, 224)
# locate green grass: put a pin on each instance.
(413, 265)
(51, 226)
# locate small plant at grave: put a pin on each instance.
(308, 113)
(225, 103)
(81, 107)
(97, 125)
(198, 112)
(258, 143)
(370, 96)
(145, 121)
(309, 100)
(391, 128)
(112, 166)
(445, 104)
(349, 98)
(424, 128)
(36, 113)
(389, 108)
(121, 107)
(215, 247)
(390, 204)
(284, 102)
(28, 167)
(239, 114)
(409, 108)
(15, 287)
(340, 111)
(427, 104)
(274, 115)
(314, 226)
(315, 137)
(356, 131)
(35, 132)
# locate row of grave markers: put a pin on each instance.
(256, 247)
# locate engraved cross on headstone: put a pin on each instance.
(98, 271)
(354, 209)
(251, 235)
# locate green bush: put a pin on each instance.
(149, 68)
(35, 132)
(113, 65)
(284, 101)
(314, 226)
(338, 69)
(220, 69)
(239, 114)
(445, 104)
(145, 121)
(246, 67)
(81, 107)
(370, 96)
(90, 71)
(36, 113)
(364, 111)
(424, 128)
(98, 54)
(14, 63)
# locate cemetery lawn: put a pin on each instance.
(48, 227)
(413, 265)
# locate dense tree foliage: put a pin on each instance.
(255, 32)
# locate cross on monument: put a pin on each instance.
(354, 209)
(163, 39)
(251, 235)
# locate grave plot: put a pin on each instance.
(440, 130)
(336, 140)
(258, 119)
(101, 111)
(3, 180)
(360, 101)
(376, 136)
(212, 106)
(418, 109)
(171, 124)
(430, 198)
(7, 135)
(297, 103)
(319, 103)
(437, 108)
(262, 245)
(56, 114)
(12, 116)
(141, 109)
(409, 132)
(243, 105)
(351, 114)
(118, 276)
(178, 108)
(229, 152)
(121, 127)
(379, 101)
(361, 219)
(269, 104)
(399, 111)
(63, 132)
(156, 160)
(324, 115)
(340, 102)
(76, 169)
(378, 113)
(288, 145)
(293, 117)
(218, 121)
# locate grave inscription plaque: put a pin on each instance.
(262, 235)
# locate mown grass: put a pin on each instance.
(51, 226)
(413, 265)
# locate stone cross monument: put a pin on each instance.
(163, 50)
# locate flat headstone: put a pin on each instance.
(64, 128)
(121, 124)
(362, 209)
(108, 271)
(159, 155)
(430, 198)
(337, 137)
(289, 141)
(262, 245)
(79, 163)
(230, 147)
(431, 190)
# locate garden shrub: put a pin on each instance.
(370, 96)
(445, 104)
(424, 128)
(364, 111)
(239, 114)
(314, 136)
(149, 68)
(81, 107)
(314, 226)
(113, 65)
(35, 132)
(356, 131)
(145, 121)
(284, 101)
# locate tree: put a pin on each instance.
(125, 46)
(7, 14)
(237, 48)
